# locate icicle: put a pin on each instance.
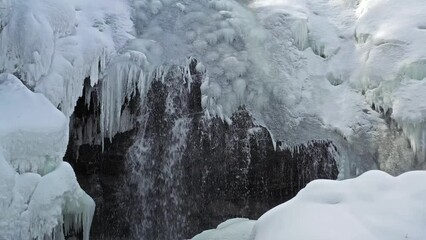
(300, 32)
(124, 78)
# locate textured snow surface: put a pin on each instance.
(38, 192)
(373, 206)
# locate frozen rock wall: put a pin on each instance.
(178, 171)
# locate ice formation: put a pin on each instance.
(39, 193)
(301, 66)
(123, 80)
(345, 70)
(54, 45)
(392, 69)
(374, 205)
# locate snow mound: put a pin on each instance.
(373, 206)
(39, 194)
(33, 133)
(233, 229)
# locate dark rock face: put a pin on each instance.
(179, 172)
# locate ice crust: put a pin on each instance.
(373, 206)
(39, 193)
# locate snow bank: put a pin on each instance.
(33, 133)
(233, 229)
(39, 192)
(373, 206)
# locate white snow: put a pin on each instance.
(33, 133)
(233, 229)
(38, 192)
(373, 206)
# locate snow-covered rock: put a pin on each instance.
(373, 206)
(39, 193)
(33, 133)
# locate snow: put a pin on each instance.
(57, 200)
(373, 206)
(233, 229)
(39, 192)
(31, 141)
(34, 206)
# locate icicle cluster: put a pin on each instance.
(125, 78)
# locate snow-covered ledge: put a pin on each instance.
(40, 196)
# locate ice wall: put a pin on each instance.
(39, 193)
